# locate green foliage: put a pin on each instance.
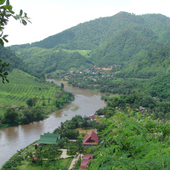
(65, 98)
(3, 74)
(50, 60)
(151, 65)
(159, 86)
(122, 40)
(31, 102)
(6, 12)
(13, 117)
(10, 117)
(132, 141)
(67, 129)
(62, 86)
(23, 87)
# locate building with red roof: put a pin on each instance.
(86, 160)
(91, 139)
(92, 117)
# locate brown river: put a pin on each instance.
(18, 137)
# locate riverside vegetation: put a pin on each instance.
(48, 156)
(126, 141)
(26, 99)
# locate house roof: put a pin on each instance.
(86, 160)
(49, 138)
(93, 116)
(88, 156)
(92, 138)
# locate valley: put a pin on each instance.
(123, 60)
(18, 137)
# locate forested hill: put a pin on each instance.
(89, 35)
(15, 62)
(117, 40)
(153, 64)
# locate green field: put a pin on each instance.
(22, 86)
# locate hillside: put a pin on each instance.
(117, 40)
(23, 86)
(16, 63)
(153, 64)
(50, 60)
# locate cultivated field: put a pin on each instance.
(22, 86)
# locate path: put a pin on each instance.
(64, 153)
(74, 161)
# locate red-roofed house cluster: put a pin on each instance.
(85, 161)
(91, 139)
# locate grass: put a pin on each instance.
(27, 166)
(85, 131)
(61, 163)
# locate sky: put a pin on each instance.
(50, 17)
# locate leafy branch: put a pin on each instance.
(6, 12)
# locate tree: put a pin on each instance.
(10, 117)
(132, 141)
(62, 86)
(32, 101)
(6, 12)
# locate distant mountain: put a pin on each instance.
(118, 40)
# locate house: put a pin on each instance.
(91, 140)
(92, 117)
(49, 138)
(86, 160)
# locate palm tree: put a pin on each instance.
(79, 147)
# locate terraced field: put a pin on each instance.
(22, 86)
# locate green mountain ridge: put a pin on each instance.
(118, 40)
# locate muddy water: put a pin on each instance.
(16, 138)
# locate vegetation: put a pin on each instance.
(42, 156)
(102, 42)
(136, 84)
(50, 60)
(26, 99)
(48, 158)
(6, 12)
(132, 141)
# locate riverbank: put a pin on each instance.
(18, 137)
(63, 155)
(35, 112)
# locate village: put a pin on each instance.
(75, 150)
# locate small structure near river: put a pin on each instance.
(49, 138)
